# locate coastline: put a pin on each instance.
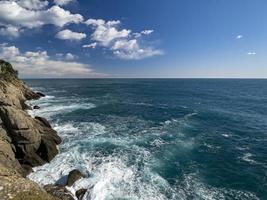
(25, 142)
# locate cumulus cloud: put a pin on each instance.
(121, 42)
(63, 2)
(33, 4)
(39, 64)
(70, 35)
(252, 53)
(32, 14)
(92, 45)
(131, 50)
(10, 31)
(106, 32)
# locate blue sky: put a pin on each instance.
(123, 38)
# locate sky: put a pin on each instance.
(135, 38)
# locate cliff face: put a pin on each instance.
(25, 142)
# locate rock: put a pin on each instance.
(43, 121)
(47, 150)
(15, 187)
(74, 175)
(80, 193)
(25, 142)
(40, 94)
(36, 107)
(59, 191)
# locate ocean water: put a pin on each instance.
(157, 139)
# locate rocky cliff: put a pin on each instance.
(25, 142)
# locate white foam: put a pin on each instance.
(226, 135)
(248, 158)
(49, 110)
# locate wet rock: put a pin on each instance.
(80, 193)
(59, 191)
(40, 94)
(74, 175)
(36, 107)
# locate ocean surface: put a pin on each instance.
(157, 139)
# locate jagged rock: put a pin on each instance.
(74, 175)
(40, 94)
(25, 142)
(36, 107)
(80, 193)
(59, 191)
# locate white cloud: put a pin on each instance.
(11, 13)
(70, 56)
(147, 32)
(10, 31)
(121, 42)
(92, 45)
(39, 64)
(70, 35)
(106, 32)
(63, 2)
(239, 37)
(131, 50)
(144, 32)
(33, 4)
(251, 53)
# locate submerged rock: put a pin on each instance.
(74, 175)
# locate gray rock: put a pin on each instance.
(74, 175)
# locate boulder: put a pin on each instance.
(80, 193)
(59, 191)
(36, 107)
(74, 175)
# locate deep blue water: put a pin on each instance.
(145, 139)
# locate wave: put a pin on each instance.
(191, 187)
(248, 157)
(48, 110)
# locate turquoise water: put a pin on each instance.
(158, 139)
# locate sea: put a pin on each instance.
(157, 139)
